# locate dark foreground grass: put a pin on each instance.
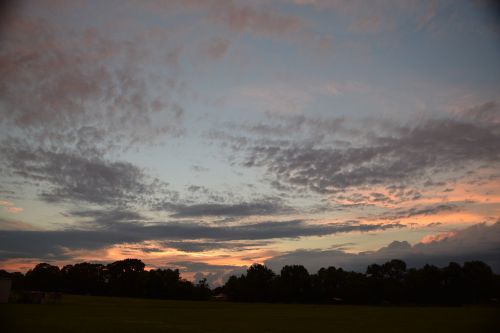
(105, 314)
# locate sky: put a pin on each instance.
(207, 135)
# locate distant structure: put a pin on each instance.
(220, 297)
(5, 284)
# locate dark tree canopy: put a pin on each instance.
(44, 277)
(392, 282)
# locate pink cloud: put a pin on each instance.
(14, 210)
(216, 48)
(438, 237)
(8, 224)
(10, 207)
(240, 18)
(251, 17)
(89, 79)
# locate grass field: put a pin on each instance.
(106, 314)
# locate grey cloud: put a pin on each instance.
(260, 21)
(201, 266)
(216, 275)
(387, 16)
(427, 210)
(313, 129)
(10, 224)
(488, 112)
(236, 210)
(60, 87)
(103, 218)
(196, 188)
(52, 244)
(16, 243)
(203, 246)
(216, 48)
(361, 199)
(478, 242)
(399, 155)
(199, 168)
(256, 18)
(418, 211)
(68, 176)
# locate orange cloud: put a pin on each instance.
(9, 206)
(437, 238)
(14, 210)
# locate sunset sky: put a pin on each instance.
(207, 135)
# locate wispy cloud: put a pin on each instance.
(399, 154)
(256, 208)
(10, 207)
(95, 88)
(68, 176)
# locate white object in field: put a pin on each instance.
(5, 284)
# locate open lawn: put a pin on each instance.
(106, 314)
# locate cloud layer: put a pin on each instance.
(80, 88)
(471, 243)
(401, 155)
(72, 177)
(117, 228)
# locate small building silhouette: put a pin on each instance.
(219, 297)
(5, 285)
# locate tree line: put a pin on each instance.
(391, 283)
(120, 278)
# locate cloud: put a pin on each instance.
(14, 210)
(256, 208)
(216, 275)
(394, 155)
(397, 214)
(9, 206)
(201, 266)
(204, 245)
(380, 15)
(216, 48)
(477, 242)
(259, 21)
(488, 112)
(56, 243)
(103, 218)
(68, 176)
(8, 224)
(255, 18)
(81, 87)
(276, 98)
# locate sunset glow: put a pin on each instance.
(207, 135)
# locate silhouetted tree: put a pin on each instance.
(165, 283)
(235, 288)
(386, 282)
(44, 277)
(425, 285)
(259, 283)
(84, 278)
(202, 290)
(478, 280)
(391, 282)
(126, 277)
(453, 283)
(326, 284)
(295, 284)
